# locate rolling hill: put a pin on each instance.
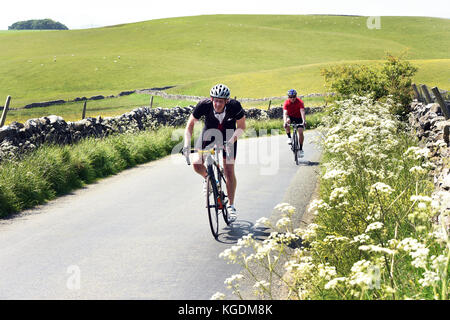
(256, 55)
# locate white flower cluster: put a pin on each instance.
(364, 218)
(374, 226)
(381, 188)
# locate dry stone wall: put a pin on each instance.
(431, 127)
(18, 138)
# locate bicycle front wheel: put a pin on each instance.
(296, 147)
(212, 206)
(223, 198)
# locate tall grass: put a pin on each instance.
(53, 170)
(373, 235)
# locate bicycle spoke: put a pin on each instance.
(212, 206)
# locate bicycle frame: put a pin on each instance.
(295, 143)
(215, 177)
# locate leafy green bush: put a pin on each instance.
(393, 79)
(42, 24)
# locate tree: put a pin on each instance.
(42, 24)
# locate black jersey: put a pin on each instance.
(233, 112)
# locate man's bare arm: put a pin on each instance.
(240, 128)
(188, 131)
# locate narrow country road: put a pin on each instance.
(144, 233)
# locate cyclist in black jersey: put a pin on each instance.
(224, 124)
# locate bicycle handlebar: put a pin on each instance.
(210, 150)
(297, 125)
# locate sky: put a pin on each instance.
(95, 13)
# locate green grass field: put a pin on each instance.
(256, 55)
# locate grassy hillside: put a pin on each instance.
(256, 55)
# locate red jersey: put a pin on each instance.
(293, 108)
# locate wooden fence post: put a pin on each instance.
(426, 93)
(442, 103)
(151, 103)
(5, 111)
(270, 102)
(417, 93)
(84, 110)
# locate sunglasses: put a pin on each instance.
(290, 97)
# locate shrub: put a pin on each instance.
(392, 79)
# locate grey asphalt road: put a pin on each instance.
(144, 233)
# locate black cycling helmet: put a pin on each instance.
(220, 91)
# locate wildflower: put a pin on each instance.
(417, 153)
(430, 278)
(261, 284)
(333, 283)
(417, 170)
(333, 174)
(218, 296)
(318, 204)
(263, 221)
(285, 208)
(364, 274)
(332, 238)
(291, 265)
(420, 198)
(362, 238)
(378, 249)
(338, 193)
(309, 233)
(326, 271)
(382, 188)
(283, 222)
(374, 226)
(230, 254)
(420, 257)
(245, 241)
(230, 281)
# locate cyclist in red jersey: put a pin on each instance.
(294, 112)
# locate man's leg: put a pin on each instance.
(301, 138)
(198, 165)
(288, 131)
(231, 181)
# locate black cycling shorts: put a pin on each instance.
(206, 142)
(297, 120)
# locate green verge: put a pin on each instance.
(373, 234)
(52, 170)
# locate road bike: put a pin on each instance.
(216, 197)
(295, 144)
